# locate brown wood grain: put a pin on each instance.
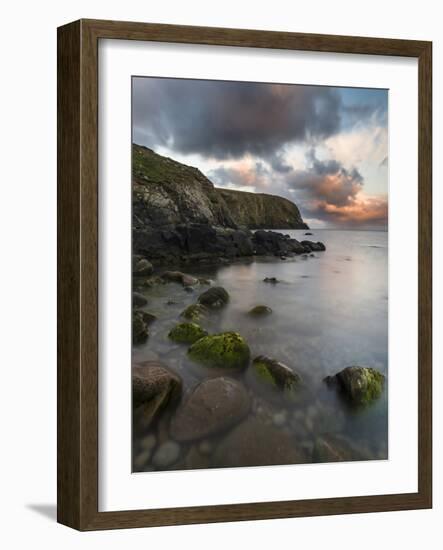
(77, 173)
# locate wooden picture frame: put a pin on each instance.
(78, 274)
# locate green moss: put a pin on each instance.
(187, 333)
(276, 374)
(264, 373)
(194, 312)
(227, 350)
(362, 385)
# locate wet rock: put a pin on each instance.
(255, 443)
(215, 405)
(148, 442)
(204, 281)
(279, 419)
(153, 388)
(187, 333)
(142, 268)
(138, 300)
(214, 297)
(166, 455)
(141, 460)
(227, 350)
(260, 311)
(311, 246)
(140, 323)
(195, 312)
(206, 447)
(361, 385)
(272, 280)
(181, 278)
(276, 374)
(329, 448)
(308, 233)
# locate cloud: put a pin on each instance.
(246, 175)
(231, 119)
(328, 191)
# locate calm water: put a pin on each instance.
(329, 311)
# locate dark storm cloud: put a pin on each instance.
(229, 119)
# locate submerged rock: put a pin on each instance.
(187, 333)
(167, 453)
(153, 387)
(329, 448)
(227, 350)
(179, 277)
(214, 298)
(215, 405)
(272, 280)
(361, 385)
(260, 311)
(138, 300)
(195, 312)
(140, 323)
(276, 374)
(142, 268)
(254, 443)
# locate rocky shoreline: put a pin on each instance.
(221, 422)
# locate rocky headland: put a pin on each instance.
(178, 215)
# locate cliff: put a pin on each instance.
(166, 192)
(179, 216)
(262, 211)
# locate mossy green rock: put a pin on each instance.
(195, 312)
(260, 311)
(361, 385)
(276, 374)
(187, 333)
(228, 350)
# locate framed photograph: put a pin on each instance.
(244, 274)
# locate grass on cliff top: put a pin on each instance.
(151, 167)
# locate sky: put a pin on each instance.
(324, 148)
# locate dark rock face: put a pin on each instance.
(138, 300)
(215, 405)
(262, 211)
(153, 387)
(178, 215)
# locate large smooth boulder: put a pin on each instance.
(361, 385)
(214, 298)
(215, 405)
(254, 443)
(228, 350)
(187, 333)
(154, 387)
(276, 374)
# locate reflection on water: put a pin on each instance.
(329, 311)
